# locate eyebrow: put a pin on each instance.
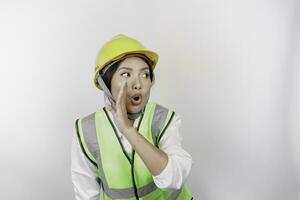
(130, 69)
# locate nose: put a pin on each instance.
(136, 84)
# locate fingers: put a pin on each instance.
(120, 105)
(110, 108)
(121, 100)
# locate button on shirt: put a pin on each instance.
(171, 178)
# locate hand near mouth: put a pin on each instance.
(120, 112)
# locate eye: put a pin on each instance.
(125, 74)
(146, 75)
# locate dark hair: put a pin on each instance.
(113, 68)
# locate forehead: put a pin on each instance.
(134, 63)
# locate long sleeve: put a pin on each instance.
(179, 161)
(83, 174)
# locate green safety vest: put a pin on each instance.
(124, 176)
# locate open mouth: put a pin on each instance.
(136, 99)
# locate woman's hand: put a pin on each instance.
(120, 112)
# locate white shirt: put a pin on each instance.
(171, 178)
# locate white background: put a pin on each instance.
(230, 68)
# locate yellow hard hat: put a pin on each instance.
(116, 48)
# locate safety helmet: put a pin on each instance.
(116, 48)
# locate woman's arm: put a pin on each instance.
(155, 159)
(170, 165)
(83, 174)
(179, 161)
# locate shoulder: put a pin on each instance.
(90, 115)
(83, 121)
(85, 129)
(168, 110)
(165, 120)
(160, 106)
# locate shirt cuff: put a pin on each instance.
(164, 179)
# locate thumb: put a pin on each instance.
(110, 108)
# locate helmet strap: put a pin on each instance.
(107, 93)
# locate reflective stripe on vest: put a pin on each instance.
(129, 182)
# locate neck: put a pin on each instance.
(133, 116)
(131, 122)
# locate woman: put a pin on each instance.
(131, 148)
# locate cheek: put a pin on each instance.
(148, 86)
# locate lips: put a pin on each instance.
(136, 99)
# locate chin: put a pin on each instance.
(134, 110)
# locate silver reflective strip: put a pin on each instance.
(118, 193)
(91, 140)
(175, 194)
(106, 90)
(146, 189)
(89, 130)
(128, 192)
(90, 136)
(159, 118)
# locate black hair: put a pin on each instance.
(107, 76)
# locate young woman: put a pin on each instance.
(131, 148)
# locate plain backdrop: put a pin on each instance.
(229, 68)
